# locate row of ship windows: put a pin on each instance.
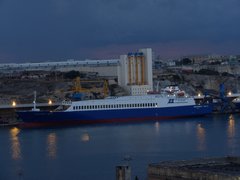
(115, 106)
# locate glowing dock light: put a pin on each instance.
(199, 94)
(50, 102)
(14, 104)
(229, 93)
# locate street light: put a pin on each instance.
(49, 102)
(14, 104)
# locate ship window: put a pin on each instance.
(73, 107)
(95, 106)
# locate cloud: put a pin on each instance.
(66, 28)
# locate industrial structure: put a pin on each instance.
(135, 72)
(102, 67)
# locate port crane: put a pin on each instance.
(78, 89)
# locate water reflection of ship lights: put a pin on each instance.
(231, 132)
(201, 137)
(15, 146)
(52, 145)
(157, 126)
(231, 126)
(85, 137)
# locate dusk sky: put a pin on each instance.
(33, 31)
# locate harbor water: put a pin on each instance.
(93, 151)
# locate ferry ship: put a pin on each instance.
(117, 109)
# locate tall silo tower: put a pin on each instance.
(135, 72)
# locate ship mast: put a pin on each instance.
(34, 102)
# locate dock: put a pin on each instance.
(8, 115)
(208, 169)
(30, 105)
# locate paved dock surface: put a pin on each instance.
(207, 169)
